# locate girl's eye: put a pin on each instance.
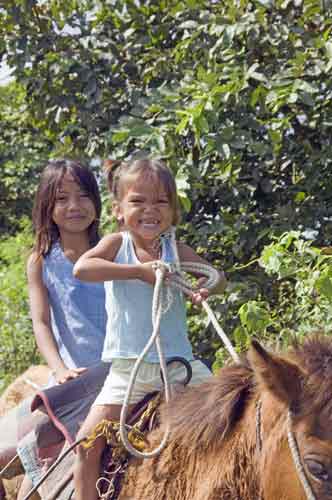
(60, 199)
(163, 202)
(84, 195)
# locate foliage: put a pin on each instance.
(22, 152)
(298, 300)
(303, 273)
(17, 349)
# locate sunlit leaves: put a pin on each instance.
(254, 317)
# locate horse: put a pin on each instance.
(24, 386)
(258, 430)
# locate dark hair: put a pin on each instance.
(117, 172)
(46, 230)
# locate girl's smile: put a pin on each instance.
(145, 208)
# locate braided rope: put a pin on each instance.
(177, 280)
(157, 310)
(292, 446)
(258, 419)
(212, 275)
(297, 459)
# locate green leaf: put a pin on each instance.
(185, 201)
(120, 136)
(324, 283)
(189, 25)
(182, 181)
(226, 150)
(271, 259)
(254, 317)
(300, 197)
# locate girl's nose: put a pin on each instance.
(73, 202)
(151, 205)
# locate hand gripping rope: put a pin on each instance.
(158, 308)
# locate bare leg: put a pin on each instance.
(26, 486)
(87, 464)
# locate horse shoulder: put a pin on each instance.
(24, 386)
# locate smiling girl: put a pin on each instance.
(146, 206)
(69, 333)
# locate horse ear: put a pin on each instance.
(279, 376)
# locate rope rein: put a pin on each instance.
(293, 446)
(155, 338)
(52, 467)
(297, 459)
(178, 281)
(212, 279)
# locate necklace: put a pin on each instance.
(156, 248)
(151, 252)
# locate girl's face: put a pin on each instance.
(73, 210)
(144, 207)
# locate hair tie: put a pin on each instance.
(110, 165)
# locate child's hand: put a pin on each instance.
(63, 374)
(200, 293)
(198, 296)
(147, 273)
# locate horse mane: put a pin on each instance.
(314, 356)
(209, 411)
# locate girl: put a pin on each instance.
(69, 333)
(145, 204)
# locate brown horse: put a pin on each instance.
(23, 387)
(229, 436)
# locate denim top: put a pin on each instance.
(129, 313)
(77, 308)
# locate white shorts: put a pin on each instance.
(148, 379)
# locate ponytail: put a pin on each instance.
(111, 169)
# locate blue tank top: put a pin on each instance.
(77, 308)
(129, 313)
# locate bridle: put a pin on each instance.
(293, 446)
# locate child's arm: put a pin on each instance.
(41, 322)
(97, 264)
(187, 254)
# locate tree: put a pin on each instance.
(235, 95)
(23, 149)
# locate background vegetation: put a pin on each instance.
(234, 95)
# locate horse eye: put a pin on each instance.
(317, 469)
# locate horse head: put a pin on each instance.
(294, 420)
(259, 429)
